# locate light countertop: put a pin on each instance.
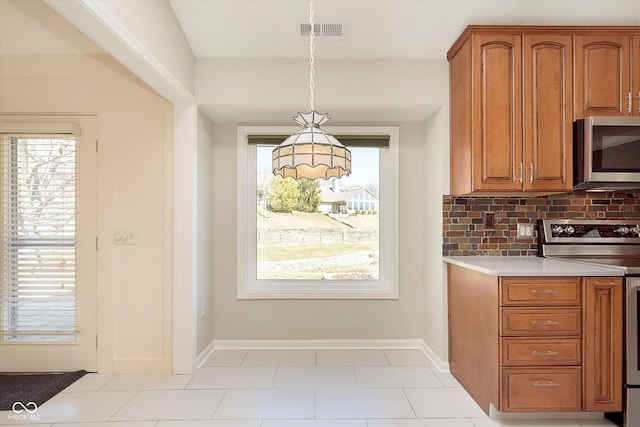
(529, 266)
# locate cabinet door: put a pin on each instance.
(635, 75)
(497, 111)
(541, 389)
(540, 351)
(529, 321)
(548, 112)
(603, 344)
(602, 75)
(540, 291)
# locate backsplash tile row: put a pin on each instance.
(464, 232)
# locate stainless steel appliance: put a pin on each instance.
(616, 244)
(606, 153)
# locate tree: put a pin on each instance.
(373, 188)
(308, 195)
(283, 194)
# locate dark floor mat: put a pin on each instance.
(36, 387)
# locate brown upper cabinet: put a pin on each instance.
(607, 75)
(512, 97)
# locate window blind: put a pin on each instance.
(381, 141)
(38, 251)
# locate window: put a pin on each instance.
(316, 239)
(38, 253)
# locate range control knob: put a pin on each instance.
(633, 229)
(556, 229)
(622, 230)
(569, 229)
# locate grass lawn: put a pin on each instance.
(301, 220)
(296, 220)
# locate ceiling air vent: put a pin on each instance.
(333, 30)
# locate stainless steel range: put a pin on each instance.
(616, 244)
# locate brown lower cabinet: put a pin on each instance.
(541, 389)
(536, 344)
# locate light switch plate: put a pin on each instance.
(125, 236)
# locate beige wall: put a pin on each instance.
(410, 93)
(135, 130)
(205, 236)
(436, 178)
(318, 319)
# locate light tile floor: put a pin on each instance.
(279, 388)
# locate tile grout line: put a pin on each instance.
(315, 403)
(387, 357)
(123, 405)
(404, 392)
(107, 383)
(244, 358)
(219, 404)
(355, 375)
(193, 376)
(275, 374)
(435, 374)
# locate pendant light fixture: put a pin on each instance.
(311, 152)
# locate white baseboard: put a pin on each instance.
(364, 344)
(204, 355)
(440, 365)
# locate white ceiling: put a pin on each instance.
(378, 29)
(383, 29)
(374, 28)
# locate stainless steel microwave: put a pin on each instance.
(606, 153)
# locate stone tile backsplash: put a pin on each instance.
(463, 222)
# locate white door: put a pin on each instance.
(48, 248)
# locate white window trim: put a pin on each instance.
(384, 288)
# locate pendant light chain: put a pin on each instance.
(311, 152)
(311, 51)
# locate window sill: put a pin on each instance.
(339, 290)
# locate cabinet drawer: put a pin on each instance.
(541, 389)
(526, 321)
(540, 291)
(540, 351)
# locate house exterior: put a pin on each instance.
(348, 201)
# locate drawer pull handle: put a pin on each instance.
(544, 323)
(545, 384)
(544, 353)
(544, 292)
